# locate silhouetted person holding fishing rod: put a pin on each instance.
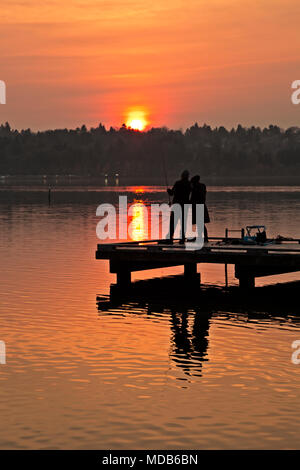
(181, 195)
(198, 196)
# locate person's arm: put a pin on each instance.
(171, 191)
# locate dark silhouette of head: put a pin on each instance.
(195, 179)
(185, 175)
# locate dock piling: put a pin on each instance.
(246, 276)
(190, 270)
(190, 273)
(247, 281)
(123, 278)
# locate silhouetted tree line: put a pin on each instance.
(201, 149)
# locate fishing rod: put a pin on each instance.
(165, 175)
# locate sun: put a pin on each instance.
(137, 124)
(136, 119)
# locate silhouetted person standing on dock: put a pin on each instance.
(181, 195)
(198, 196)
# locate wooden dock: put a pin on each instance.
(250, 261)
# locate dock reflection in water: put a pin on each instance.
(190, 314)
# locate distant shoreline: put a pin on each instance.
(7, 181)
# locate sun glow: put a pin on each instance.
(136, 119)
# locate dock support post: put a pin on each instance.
(190, 269)
(190, 272)
(245, 276)
(123, 278)
(247, 282)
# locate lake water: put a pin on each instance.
(140, 372)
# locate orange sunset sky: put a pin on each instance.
(222, 62)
